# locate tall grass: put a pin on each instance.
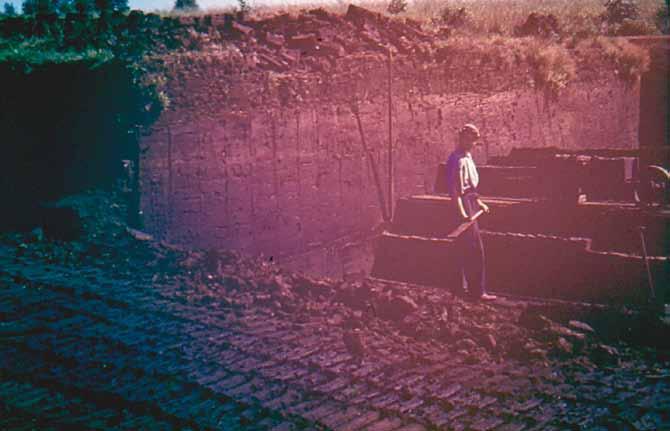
(486, 33)
(37, 51)
(487, 16)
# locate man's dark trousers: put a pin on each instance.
(470, 251)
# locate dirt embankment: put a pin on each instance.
(319, 56)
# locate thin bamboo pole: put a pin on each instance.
(373, 165)
(390, 146)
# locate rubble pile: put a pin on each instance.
(114, 312)
(226, 280)
(318, 54)
(477, 331)
(316, 39)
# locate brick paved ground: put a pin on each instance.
(118, 333)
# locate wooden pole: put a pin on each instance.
(652, 291)
(373, 165)
(390, 149)
(465, 225)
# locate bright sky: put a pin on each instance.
(151, 5)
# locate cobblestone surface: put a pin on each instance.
(129, 340)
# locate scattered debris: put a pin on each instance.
(581, 326)
(603, 354)
(139, 235)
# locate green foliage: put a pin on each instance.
(108, 6)
(662, 18)
(29, 54)
(83, 7)
(9, 10)
(41, 7)
(186, 5)
(244, 8)
(34, 42)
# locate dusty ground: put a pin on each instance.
(118, 331)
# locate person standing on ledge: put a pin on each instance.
(462, 181)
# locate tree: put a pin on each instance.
(244, 9)
(108, 6)
(41, 7)
(120, 5)
(9, 10)
(66, 6)
(185, 5)
(84, 7)
(46, 7)
(28, 7)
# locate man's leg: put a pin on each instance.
(479, 261)
(474, 259)
(474, 264)
(458, 264)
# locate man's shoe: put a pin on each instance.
(487, 297)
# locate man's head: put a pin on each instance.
(468, 136)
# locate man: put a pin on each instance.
(462, 181)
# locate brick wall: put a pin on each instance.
(283, 179)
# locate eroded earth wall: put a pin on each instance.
(282, 179)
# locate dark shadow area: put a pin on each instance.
(65, 128)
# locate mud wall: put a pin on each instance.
(285, 179)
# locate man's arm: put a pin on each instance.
(483, 206)
(457, 186)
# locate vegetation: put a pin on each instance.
(629, 60)
(95, 33)
(116, 51)
(83, 73)
(186, 6)
(553, 68)
(397, 6)
(542, 35)
(244, 9)
(8, 10)
(486, 17)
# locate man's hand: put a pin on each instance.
(484, 207)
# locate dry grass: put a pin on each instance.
(487, 36)
(629, 60)
(486, 16)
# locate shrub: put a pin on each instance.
(630, 61)
(456, 18)
(632, 27)
(84, 7)
(185, 5)
(9, 10)
(583, 25)
(397, 6)
(538, 24)
(616, 11)
(552, 67)
(662, 19)
(244, 8)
